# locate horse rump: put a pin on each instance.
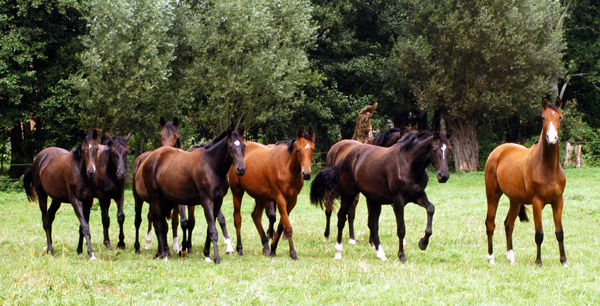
(28, 185)
(325, 186)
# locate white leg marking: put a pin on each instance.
(404, 242)
(92, 257)
(207, 259)
(148, 241)
(45, 250)
(352, 241)
(510, 255)
(490, 259)
(166, 258)
(229, 246)
(338, 251)
(326, 239)
(381, 253)
(176, 244)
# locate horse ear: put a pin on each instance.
(558, 102)
(175, 121)
(128, 137)
(241, 131)
(82, 135)
(109, 140)
(229, 130)
(162, 121)
(95, 134)
(448, 136)
(545, 102)
(300, 132)
(311, 134)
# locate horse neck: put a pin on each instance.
(418, 156)
(293, 163)
(218, 157)
(547, 154)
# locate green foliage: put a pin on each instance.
(126, 67)
(575, 130)
(249, 60)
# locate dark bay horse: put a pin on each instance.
(396, 175)
(169, 136)
(335, 155)
(110, 179)
(274, 174)
(528, 176)
(170, 176)
(67, 177)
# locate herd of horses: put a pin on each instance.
(390, 169)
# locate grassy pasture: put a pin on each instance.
(453, 270)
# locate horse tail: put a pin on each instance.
(28, 184)
(325, 186)
(523, 214)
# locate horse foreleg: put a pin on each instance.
(51, 214)
(104, 205)
(191, 223)
(257, 218)
(237, 218)
(121, 221)
(401, 227)
(424, 202)
(285, 226)
(271, 212)
(223, 226)
(160, 228)
(538, 205)
(138, 220)
(493, 195)
(82, 210)
(557, 215)
(175, 226)
(43, 203)
(509, 226)
(211, 232)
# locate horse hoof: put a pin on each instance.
(92, 257)
(45, 250)
(207, 259)
(108, 246)
(266, 252)
(229, 246)
(217, 260)
(510, 256)
(272, 254)
(490, 259)
(539, 263)
(326, 239)
(137, 251)
(147, 246)
(183, 253)
(381, 254)
(423, 244)
(352, 241)
(338, 256)
(565, 264)
(402, 258)
(121, 246)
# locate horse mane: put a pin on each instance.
(411, 139)
(554, 107)
(384, 136)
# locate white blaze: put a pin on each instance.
(552, 134)
(307, 147)
(236, 143)
(443, 151)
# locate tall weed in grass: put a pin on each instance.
(453, 270)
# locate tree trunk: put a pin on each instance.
(17, 152)
(464, 142)
(363, 130)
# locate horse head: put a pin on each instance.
(169, 134)
(552, 117)
(87, 151)
(236, 148)
(118, 147)
(304, 146)
(440, 154)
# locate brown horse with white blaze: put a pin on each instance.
(273, 174)
(528, 176)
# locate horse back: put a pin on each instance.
(338, 151)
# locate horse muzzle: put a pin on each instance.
(91, 174)
(240, 171)
(442, 177)
(306, 176)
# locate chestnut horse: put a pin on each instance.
(67, 177)
(395, 175)
(169, 136)
(170, 176)
(274, 174)
(110, 180)
(528, 176)
(335, 155)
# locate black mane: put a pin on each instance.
(411, 139)
(385, 136)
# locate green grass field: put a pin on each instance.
(453, 270)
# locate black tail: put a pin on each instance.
(326, 184)
(28, 184)
(523, 214)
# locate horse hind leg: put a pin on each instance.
(493, 194)
(223, 225)
(509, 226)
(149, 235)
(175, 226)
(271, 213)
(351, 216)
(345, 203)
(43, 203)
(137, 221)
(257, 218)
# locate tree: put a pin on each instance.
(249, 60)
(126, 67)
(475, 60)
(39, 41)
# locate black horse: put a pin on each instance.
(67, 177)
(170, 176)
(396, 175)
(110, 180)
